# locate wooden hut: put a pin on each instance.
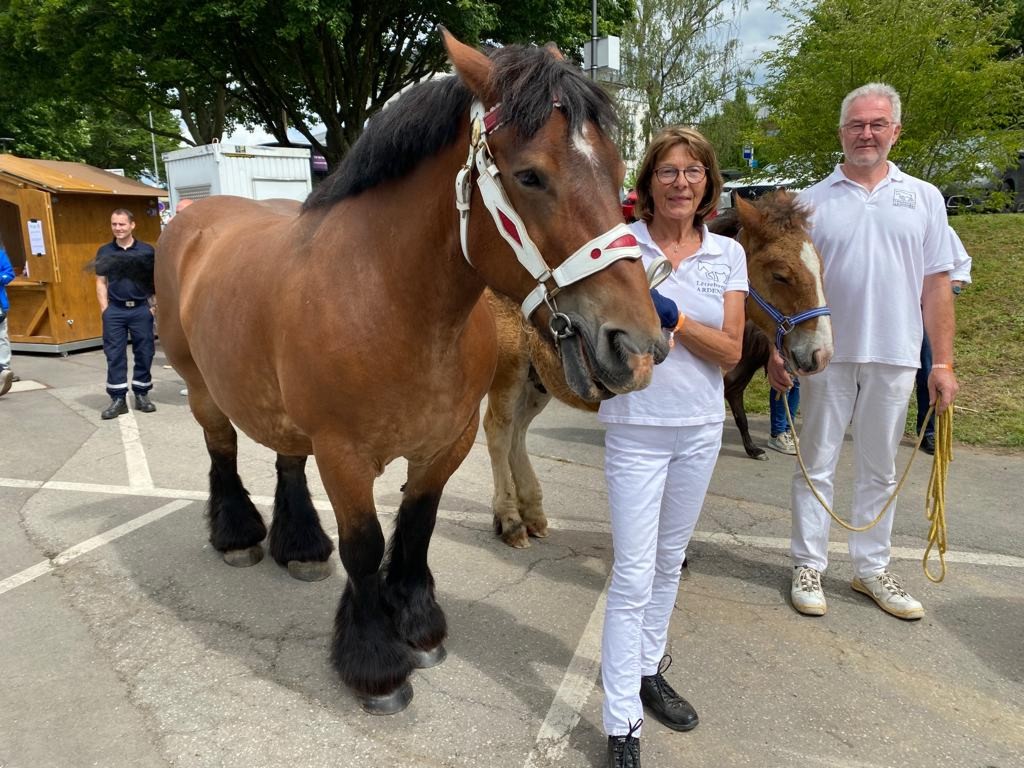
(53, 217)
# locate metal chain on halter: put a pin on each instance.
(935, 497)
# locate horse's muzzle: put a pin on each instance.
(611, 361)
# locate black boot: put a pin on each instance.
(116, 408)
(624, 751)
(143, 403)
(671, 709)
(928, 444)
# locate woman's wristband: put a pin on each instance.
(679, 323)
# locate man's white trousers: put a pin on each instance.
(872, 398)
(657, 478)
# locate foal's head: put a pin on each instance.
(562, 174)
(785, 268)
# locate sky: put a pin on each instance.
(756, 26)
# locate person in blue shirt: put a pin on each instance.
(7, 376)
(124, 288)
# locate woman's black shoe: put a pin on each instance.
(624, 751)
(667, 706)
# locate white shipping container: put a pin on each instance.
(259, 173)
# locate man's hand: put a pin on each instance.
(942, 388)
(778, 376)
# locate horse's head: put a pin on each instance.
(541, 220)
(786, 271)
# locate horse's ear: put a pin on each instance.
(553, 50)
(473, 68)
(750, 217)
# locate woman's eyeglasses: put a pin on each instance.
(667, 174)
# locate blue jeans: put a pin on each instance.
(922, 388)
(778, 410)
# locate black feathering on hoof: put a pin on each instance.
(418, 618)
(368, 654)
(296, 533)
(234, 521)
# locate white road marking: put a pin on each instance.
(577, 685)
(134, 452)
(72, 553)
(583, 526)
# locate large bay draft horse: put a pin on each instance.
(353, 328)
(785, 273)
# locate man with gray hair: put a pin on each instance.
(883, 238)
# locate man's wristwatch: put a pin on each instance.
(957, 289)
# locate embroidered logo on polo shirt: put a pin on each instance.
(904, 198)
(713, 277)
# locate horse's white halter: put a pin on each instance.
(604, 250)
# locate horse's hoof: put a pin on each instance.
(428, 659)
(309, 570)
(540, 532)
(243, 558)
(389, 703)
(516, 536)
(760, 456)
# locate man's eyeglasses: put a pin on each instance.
(667, 174)
(877, 126)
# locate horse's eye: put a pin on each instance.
(529, 178)
(780, 278)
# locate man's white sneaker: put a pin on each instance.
(886, 590)
(806, 594)
(783, 443)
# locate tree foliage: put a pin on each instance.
(279, 64)
(679, 61)
(47, 120)
(960, 99)
(734, 126)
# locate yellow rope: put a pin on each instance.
(935, 498)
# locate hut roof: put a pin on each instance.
(61, 176)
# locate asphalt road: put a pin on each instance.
(125, 641)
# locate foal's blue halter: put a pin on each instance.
(785, 323)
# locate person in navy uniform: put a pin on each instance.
(124, 287)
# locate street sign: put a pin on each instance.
(748, 151)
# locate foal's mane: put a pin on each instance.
(526, 80)
(780, 211)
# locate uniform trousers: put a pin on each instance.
(118, 324)
(657, 479)
(873, 399)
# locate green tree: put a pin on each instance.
(679, 61)
(47, 121)
(732, 128)
(960, 100)
(279, 64)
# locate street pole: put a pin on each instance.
(152, 139)
(593, 39)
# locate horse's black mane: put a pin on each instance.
(526, 79)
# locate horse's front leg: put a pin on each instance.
(367, 651)
(410, 584)
(736, 382)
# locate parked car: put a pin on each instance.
(751, 188)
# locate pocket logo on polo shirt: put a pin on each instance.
(904, 198)
(712, 277)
